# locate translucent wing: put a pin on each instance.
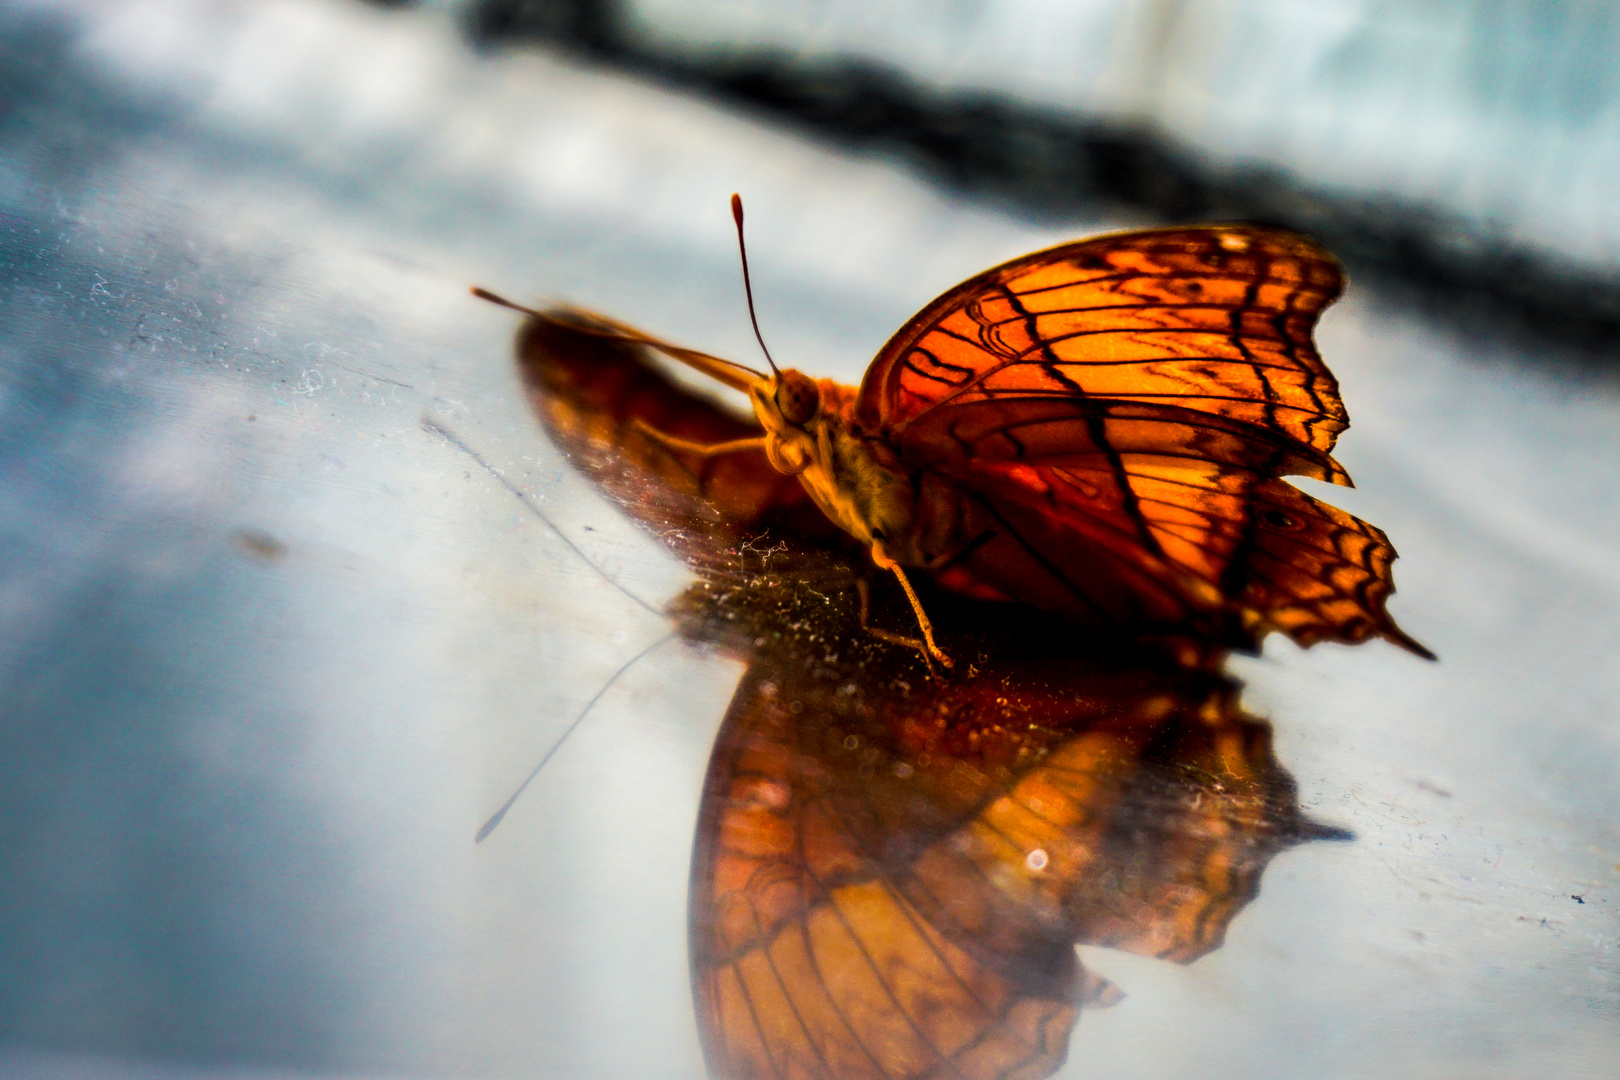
(889, 883)
(592, 392)
(1214, 319)
(810, 959)
(1145, 515)
(1315, 572)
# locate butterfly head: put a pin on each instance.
(797, 397)
(787, 404)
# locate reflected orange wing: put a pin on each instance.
(811, 955)
(1215, 319)
(888, 880)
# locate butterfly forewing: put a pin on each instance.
(1212, 319)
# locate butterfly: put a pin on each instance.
(1099, 430)
(889, 875)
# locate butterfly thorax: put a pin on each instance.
(848, 476)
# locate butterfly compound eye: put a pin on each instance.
(798, 397)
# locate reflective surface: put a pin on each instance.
(891, 871)
(274, 650)
(892, 866)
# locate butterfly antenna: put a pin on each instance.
(748, 286)
(495, 818)
(485, 294)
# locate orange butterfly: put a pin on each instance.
(1098, 430)
(888, 879)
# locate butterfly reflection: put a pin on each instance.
(891, 870)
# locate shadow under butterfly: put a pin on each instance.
(891, 870)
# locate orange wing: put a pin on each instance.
(591, 391)
(1314, 572)
(1098, 429)
(1213, 319)
(888, 880)
(1153, 516)
(809, 957)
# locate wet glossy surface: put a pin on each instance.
(274, 650)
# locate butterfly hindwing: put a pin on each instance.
(1133, 514)
(1316, 572)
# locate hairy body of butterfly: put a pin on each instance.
(1099, 430)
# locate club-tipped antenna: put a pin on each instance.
(485, 294)
(748, 286)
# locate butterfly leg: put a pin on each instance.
(927, 646)
(686, 446)
(864, 588)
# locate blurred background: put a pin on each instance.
(271, 649)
